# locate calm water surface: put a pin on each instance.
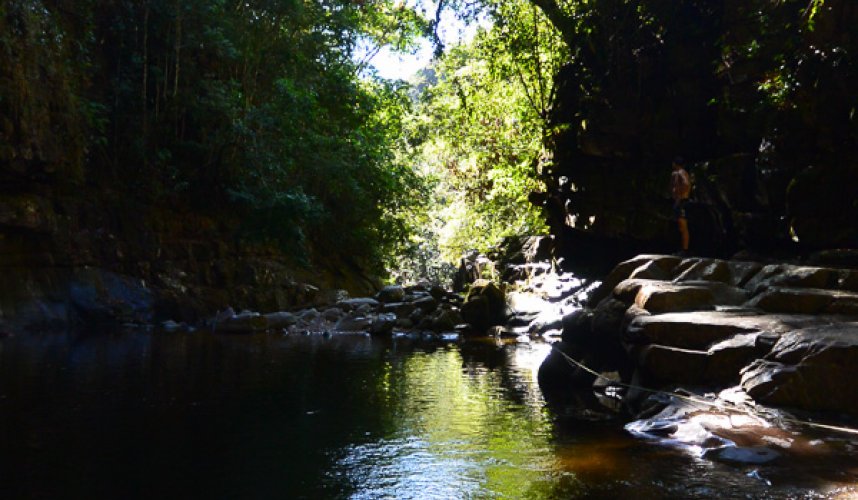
(139, 414)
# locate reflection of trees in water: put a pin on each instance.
(516, 384)
(465, 409)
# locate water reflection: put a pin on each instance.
(141, 415)
(458, 431)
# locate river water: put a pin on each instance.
(150, 415)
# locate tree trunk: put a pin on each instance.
(564, 24)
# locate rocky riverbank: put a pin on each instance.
(81, 259)
(740, 339)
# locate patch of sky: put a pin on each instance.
(396, 65)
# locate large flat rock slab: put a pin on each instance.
(642, 267)
(814, 368)
(786, 275)
(658, 296)
(806, 301)
(734, 273)
(701, 329)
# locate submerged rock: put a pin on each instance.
(756, 455)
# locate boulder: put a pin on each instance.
(545, 324)
(699, 330)
(400, 309)
(608, 318)
(537, 248)
(627, 290)
(383, 324)
(413, 295)
(848, 280)
(723, 294)
(756, 455)
(558, 374)
(244, 322)
(352, 304)
(660, 297)
(812, 369)
(438, 292)
(485, 306)
(426, 303)
(446, 319)
(625, 269)
(501, 331)
(577, 326)
(354, 323)
(280, 320)
(706, 270)
(334, 314)
(309, 315)
(726, 359)
(324, 298)
(603, 345)
(391, 293)
(404, 323)
(785, 275)
(521, 319)
(741, 272)
(652, 270)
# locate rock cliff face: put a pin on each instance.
(771, 145)
(786, 334)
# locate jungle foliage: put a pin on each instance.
(265, 112)
(479, 128)
(256, 109)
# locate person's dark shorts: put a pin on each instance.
(679, 208)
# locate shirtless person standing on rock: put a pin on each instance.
(680, 190)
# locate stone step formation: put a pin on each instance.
(785, 332)
(706, 350)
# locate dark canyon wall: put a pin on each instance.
(759, 97)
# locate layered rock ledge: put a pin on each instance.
(786, 334)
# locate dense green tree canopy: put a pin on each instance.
(266, 114)
(254, 107)
(481, 125)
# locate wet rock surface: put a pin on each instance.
(421, 309)
(777, 336)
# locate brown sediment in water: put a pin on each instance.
(607, 458)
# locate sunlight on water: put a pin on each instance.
(457, 431)
(137, 415)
